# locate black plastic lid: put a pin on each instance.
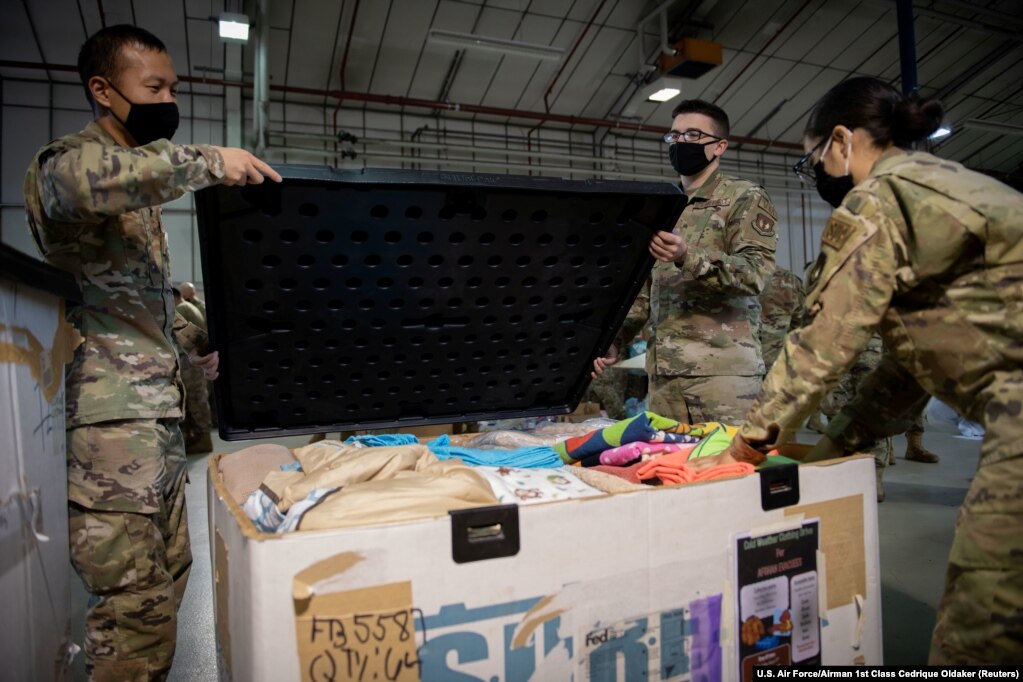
(357, 300)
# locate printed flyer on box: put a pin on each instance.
(779, 608)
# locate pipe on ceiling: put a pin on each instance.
(344, 62)
(394, 100)
(261, 78)
(907, 46)
(660, 12)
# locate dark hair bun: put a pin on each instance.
(913, 120)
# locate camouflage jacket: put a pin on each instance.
(931, 254)
(703, 313)
(93, 208)
(781, 311)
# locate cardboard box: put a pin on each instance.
(35, 342)
(635, 583)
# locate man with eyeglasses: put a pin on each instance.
(704, 358)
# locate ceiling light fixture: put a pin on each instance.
(993, 126)
(499, 45)
(943, 131)
(663, 89)
(234, 27)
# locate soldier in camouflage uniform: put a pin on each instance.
(196, 424)
(92, 200)
(781, 310)
(931, 255)
(703, 357)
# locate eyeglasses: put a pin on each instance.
(691, 135)
(803, 172)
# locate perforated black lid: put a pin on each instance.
(346, 299)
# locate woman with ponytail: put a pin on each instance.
(930, 254)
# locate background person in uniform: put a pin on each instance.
(703, 357)
(197, 423)
(92, 200)
(781, 310)
(930, 254)
(190, 295)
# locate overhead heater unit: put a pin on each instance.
(692, 58)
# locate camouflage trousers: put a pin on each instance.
(980, 618)
(129, 543)
(198, 420)
(693, 400)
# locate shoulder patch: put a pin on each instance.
(838, 232)
(764, 224)
(765, 205)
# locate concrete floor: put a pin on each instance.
(916, 522)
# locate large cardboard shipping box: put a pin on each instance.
(35, 591)
(640, 585)
(385, 299)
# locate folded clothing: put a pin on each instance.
(535, 457)
(347, 485)
(630, 430)
(626, 473)
(513, 485)
(624, 455)
(648, 427)
(674, 469)
(433, 490)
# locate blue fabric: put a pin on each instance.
(383, 440)
(293, 466)
(538, 457)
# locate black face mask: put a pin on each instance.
(689, 158)
(148, 122)
(831, 189)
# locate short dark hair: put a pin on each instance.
(101, 53)
(712, 111)
(889, 116)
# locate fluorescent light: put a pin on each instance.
(234, 27)
(943, 131)
(494, 44)
(993, 126)
(663, 89)
(664, 94)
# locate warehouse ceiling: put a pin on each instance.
(779, 56)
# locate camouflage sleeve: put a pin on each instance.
(850, 290)
(887, 402)
(638, 315)
(88, 183)
(799, 309)
(746, 264)
(189, 337)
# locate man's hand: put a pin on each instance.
(668, 247)
(600, 364)
(242, 168)
(738, 451)
(207, 363)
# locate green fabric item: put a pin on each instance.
(714, 443)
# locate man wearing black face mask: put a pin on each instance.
(93, 204)
(704, 359)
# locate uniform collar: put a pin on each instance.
(889, 158)
(706, 190)
(95, 131)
